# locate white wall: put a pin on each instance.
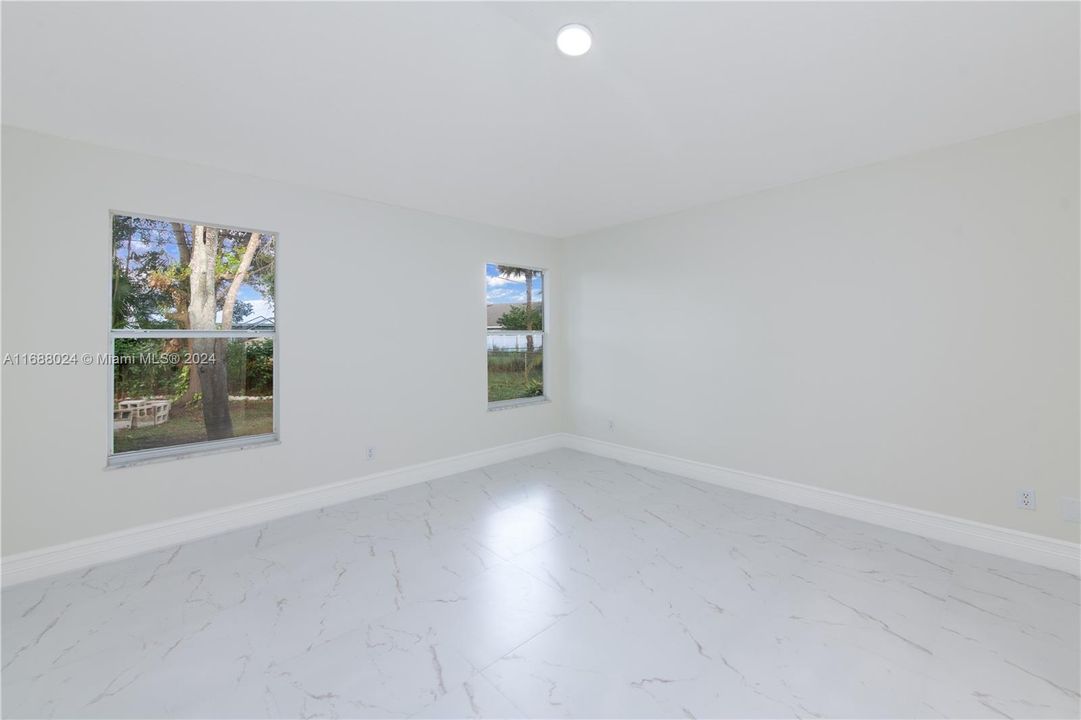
(357, 283)
(907, 331)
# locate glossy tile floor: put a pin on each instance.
(559, 585)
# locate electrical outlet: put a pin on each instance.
(371, 453)
(1026, 498)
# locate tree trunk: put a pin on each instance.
(238, 280)
(528, 322)
(182, 321)
(202, 308)
(194, 386)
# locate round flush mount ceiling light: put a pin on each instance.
(574, 39)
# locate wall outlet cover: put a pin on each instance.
(1026, 498)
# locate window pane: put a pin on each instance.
(164, 278)
(515, 366)
(515, 298)
(169, 391)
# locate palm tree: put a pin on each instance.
(527, 274)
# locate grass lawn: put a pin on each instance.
(185, 425)
(507, 379)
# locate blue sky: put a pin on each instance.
(506, 290)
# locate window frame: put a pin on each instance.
(206, 447)
(496, 405)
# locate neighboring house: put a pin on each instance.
(257, 323)
(496, 311)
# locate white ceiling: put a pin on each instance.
(468, 110)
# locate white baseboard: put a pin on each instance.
(35, 564)
(1049, 552)
(1037, 549)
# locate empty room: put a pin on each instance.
(540, 360)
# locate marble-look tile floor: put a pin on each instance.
(559, 585)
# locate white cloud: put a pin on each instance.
(506, 295)
(259, 308)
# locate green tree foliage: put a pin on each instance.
(519, 318)
(251, 367)
(137, 303)
(260, 377)
(138, 374)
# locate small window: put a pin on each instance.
(516, 326)
(193, 338)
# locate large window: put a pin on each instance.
(515, 335)
(193, 338)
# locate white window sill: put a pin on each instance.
(156, 455)
(508, 404)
